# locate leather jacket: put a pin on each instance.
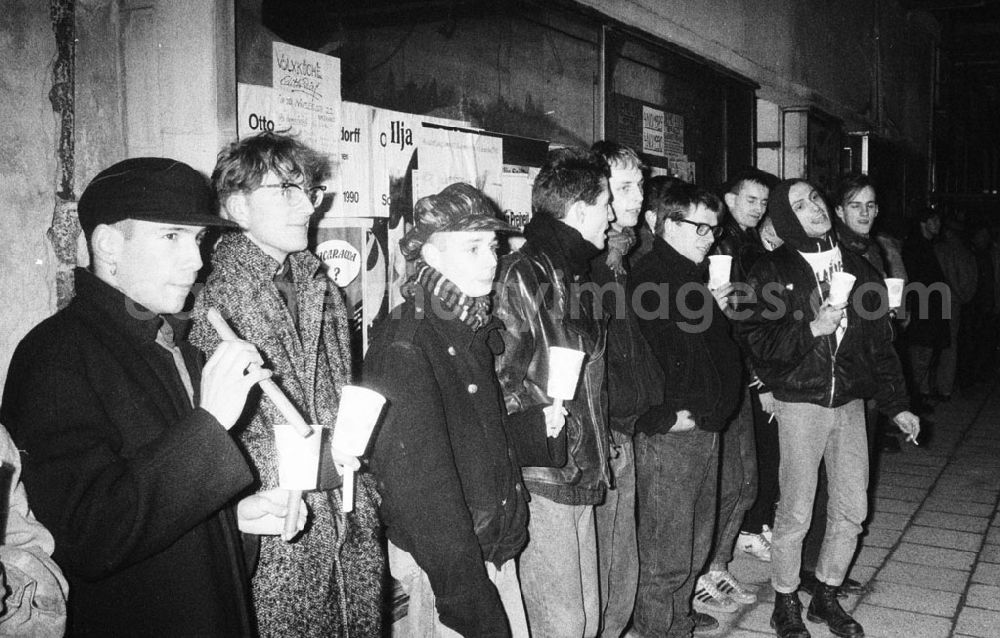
(539, 310)
(744, 246)
(801, 368)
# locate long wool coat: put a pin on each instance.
(328, 581)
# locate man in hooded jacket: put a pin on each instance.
(821, 360)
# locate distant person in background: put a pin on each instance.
(960, 271)
(927, 332)
(984, 310)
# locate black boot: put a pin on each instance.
(826, 608)
(787, 617)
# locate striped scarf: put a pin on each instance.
(472, 311)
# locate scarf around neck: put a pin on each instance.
(472, 311)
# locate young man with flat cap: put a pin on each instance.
(447, 456)
(126, 449)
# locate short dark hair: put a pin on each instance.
(850, 186)
(671, 199)
(569, 175)
(615, 153)
(242, 165)
(750, 174)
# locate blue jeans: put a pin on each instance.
(808, 434)
(677, 476)
(617, 552)
(737, 481)
(559, 570)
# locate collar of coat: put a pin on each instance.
(137, 321)
(237, 248)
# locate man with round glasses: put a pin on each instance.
(677, 442)
(327, 580)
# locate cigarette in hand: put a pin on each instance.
(912, 439)
(771, 418)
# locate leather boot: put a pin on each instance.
(826, 608)
(787, 617)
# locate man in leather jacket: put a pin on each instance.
(544, 300)
(821, 359)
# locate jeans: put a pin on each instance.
(808, 434)
(559, 570)
(617, 552)
(421, 619)
(677, 476)
(765, 433)
(737, 482)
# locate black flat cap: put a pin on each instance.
(154, 189)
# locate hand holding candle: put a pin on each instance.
(298, 469)
(356, 418)
(564, 373)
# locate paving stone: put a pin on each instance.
(978, 622)
(863, 574)
(914, 494)
(916, 457)
(963, 494)
(911, 598)
(888, 520)
(934, 556)
(878, 537)
(895, 506)
(957, 507)
(941, 578)
(947, 520)
(985, 596)
(993, 536)
(759, 618)
(745, 633)
(883, 622)
(990, 554)
(907, 480)
(870, 557)
(909, 468)
(951, 539)
(988, 573)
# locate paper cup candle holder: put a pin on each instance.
(564, 374)
(356, 419)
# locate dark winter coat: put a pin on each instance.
(446, 459)
(133, 483)
(328, 581)
(700, 359)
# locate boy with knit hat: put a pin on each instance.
(447, 456)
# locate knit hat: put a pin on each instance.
(459, 207)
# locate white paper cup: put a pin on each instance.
(840, 287)
(564, 372)
(895, 287)
(356, 418)
(719, 270)
(298, 457)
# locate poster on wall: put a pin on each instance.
(652, 131)
(354, 260)
(673, 134)
(447, 156)
(307, 90)
(515, 194)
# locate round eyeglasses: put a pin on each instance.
(293, 192)
(703, 229)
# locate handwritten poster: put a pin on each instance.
(652, 131)
(307, 88)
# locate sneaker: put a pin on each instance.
(757, 545)
(708, 599)
(742, 594)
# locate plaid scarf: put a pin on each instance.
(472, 311)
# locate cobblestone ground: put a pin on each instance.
(931, 550)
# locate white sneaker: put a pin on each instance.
(709, 600)
(766, 532)
(757, 545)
(728, 585)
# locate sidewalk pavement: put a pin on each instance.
(931, 551)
